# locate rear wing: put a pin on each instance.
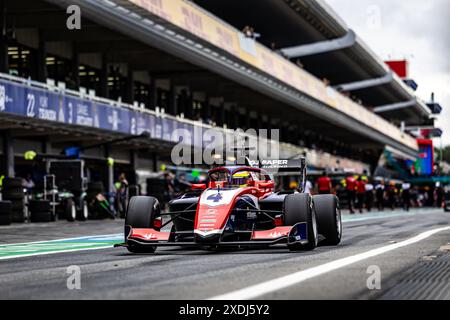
(285, 168)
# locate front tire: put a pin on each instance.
(298, 208)
(329, 221)
(141, 213)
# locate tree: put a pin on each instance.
(446, 154)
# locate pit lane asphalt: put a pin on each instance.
(174, 273)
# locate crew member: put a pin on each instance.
(324, 184)
(392, 195)
(181, 184)
(169, 188)
(360, 193)
(406, 195)
(121, 194)
(379, 193)
(351, 192)
(28, 183)
(369, 195)
(440, 193)
(308, 187)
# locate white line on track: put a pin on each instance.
(64, 239)
(263, 288)
(53, 252)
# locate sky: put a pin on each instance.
(413, 29)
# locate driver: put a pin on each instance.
(241, 179)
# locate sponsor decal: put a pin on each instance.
(150, 236)
(215, 197)
(271, 234)
(275, 234)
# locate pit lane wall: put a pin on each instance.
(193, 19)
(42, 102)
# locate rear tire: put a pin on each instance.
(329, 221)
(298, 207)
(141, 213)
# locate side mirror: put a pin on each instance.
(198, 186)
(266, 185)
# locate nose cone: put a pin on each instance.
(213, 211)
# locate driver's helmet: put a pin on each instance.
(240, 178)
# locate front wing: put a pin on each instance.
(283, 234)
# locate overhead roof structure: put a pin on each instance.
(170, 40)
(191, 33)
(301, 25)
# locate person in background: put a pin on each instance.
(414, 196)
(406, 195)
(420, 198)
(308, 187)
(379, 194)
(391, 195)
(169, 187)
(427, 201)
(369, 195)
(28, 183)
(121, 194)
(360, 193)
(248, 32)
(123, 180)
(439, 191)
(293, 185)
(351, 192)
(324, 184)
(181, 184)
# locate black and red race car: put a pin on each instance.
(238, 208)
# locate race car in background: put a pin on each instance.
(238, 208)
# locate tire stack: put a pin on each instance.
(40, 211)
(5, 213)
(13, 191)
